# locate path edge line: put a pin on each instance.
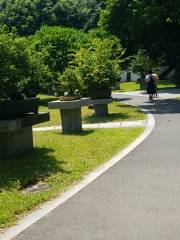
(49, 206)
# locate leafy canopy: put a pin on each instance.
(27, 16)
(153, 25)
(98, 63)
(19, 67)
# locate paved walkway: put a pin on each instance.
(162, 94)
(137, 199)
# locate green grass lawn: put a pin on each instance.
(59, 160)
(166, 84)
(133, 86)
(117, 112)
(129, 86)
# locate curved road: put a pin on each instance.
(137, 199)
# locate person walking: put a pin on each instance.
(156, 79)
(151, 86)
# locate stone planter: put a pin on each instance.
(99, 93)
(117, 86)
(19, 108)
(69, 98)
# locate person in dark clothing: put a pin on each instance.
(151, 86)
(156, 80)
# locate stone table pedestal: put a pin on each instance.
(70, 113)
(101, 106)
(16, 135)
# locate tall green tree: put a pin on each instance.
(27, 16)
(81, 14)
(153, 25)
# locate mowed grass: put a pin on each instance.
(166, 84)
(117, 112)
(129, 86)
(59, 160)
(134, 86)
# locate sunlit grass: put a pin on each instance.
(134, 86)
(59, 160)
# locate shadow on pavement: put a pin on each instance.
(121, 99)
(165, 106)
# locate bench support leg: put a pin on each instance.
(101, 110)
(16, 143)
(71, 120)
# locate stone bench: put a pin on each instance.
(101, 106)
(70, 113)
(16, 135)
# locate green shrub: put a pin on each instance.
(19, 68)
(71, 81)
(141, 63)
(55, 45)
(99, 63)
(95, 54)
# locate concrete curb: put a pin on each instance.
(52, 204)
(121, 124)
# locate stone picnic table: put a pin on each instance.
(71, 111)
(16, 134)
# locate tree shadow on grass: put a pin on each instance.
(121, 99)
(130, 107)
(85, 132)
(113, 117)
(28, 169)
(109, 118)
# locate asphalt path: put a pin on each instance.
(136, 199)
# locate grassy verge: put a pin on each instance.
(59, 160)
(133, 86)
(129, 86)
(166, 84)
(117, 112)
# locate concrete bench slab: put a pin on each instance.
(18, 124)
(69, 104)
(16, 135)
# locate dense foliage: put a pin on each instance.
(82, 56)
(141, 63)
(64, 48)
(56, 45)
(99, 63)
(20, 69)
(71, 81)
(28, 15)
(150, 25)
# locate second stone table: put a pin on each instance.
(101, 106)
(70, 113)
